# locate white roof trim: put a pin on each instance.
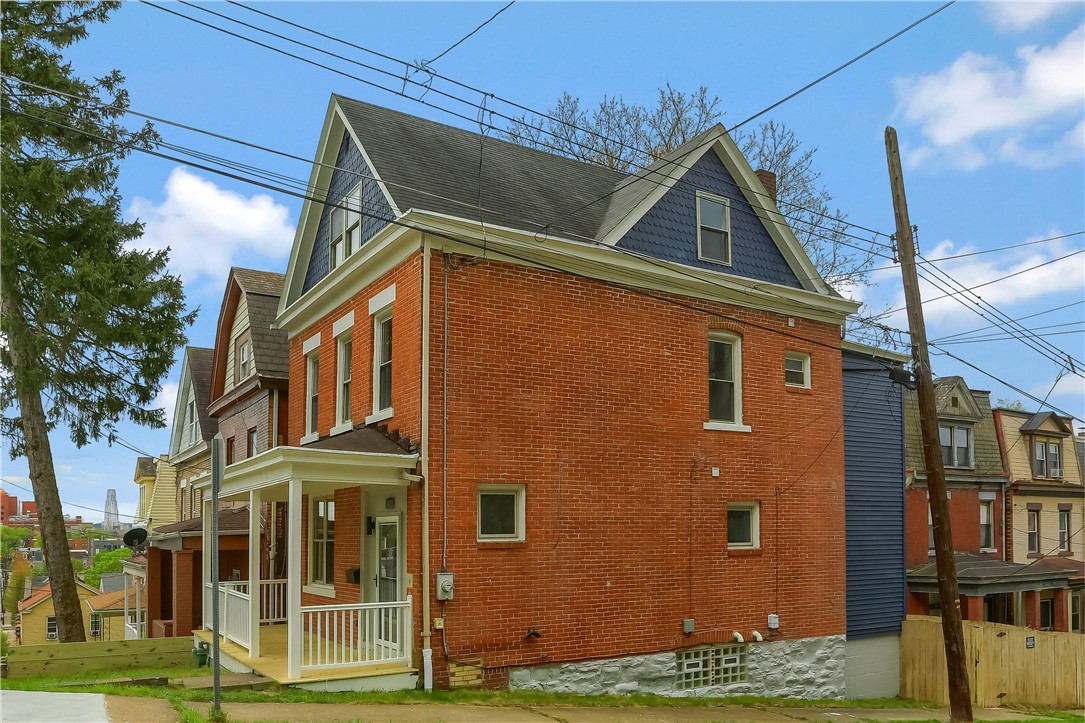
(764, 207)
(334, 128)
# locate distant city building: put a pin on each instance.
(112, 519)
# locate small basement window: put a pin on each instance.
(743, 525)
(501, 513)
(708, 666)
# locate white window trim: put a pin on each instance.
(316, 588)
(755, 525)
(991, 504)
(521, 512)
(727, 212)
(953, 463)
(382, 315)
(56, 628)
(342, 330)
(736, 358)
(1028, 533)
(1064, 516)
(805, 359)
(382, 300)
(312, 386)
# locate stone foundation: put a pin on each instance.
(807, 668)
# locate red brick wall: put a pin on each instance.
(964, 519)
(594, 398)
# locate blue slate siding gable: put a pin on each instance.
(668, 231)
(354, 170)
(873, 498)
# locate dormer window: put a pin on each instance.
(244, 358)
(1047, 458)
(713, 228)
(956, 446)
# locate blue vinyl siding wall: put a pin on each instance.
(874, 498)
(354, 170)
(669, 229)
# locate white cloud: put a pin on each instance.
(1070, 386)
(167, 400)
(947, 316)
(980, 108)
(1022, 14)
(1071, 145)
(209, 229)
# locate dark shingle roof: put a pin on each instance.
(270, 346)
(433, 166)
(1036, 422)
(988, 462)
(146, 467)
(252, 281)
(199, 368)
(363, 439)
(231, 519)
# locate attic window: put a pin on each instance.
(243, 360)
(713, 228)
(955, 402)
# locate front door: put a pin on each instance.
(387, 578)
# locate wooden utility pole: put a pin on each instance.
(960, 697)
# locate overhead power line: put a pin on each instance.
(6, 481)
(1020, 318)
(940, 259)
(426, 64)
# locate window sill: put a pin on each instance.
(318, 589)
(311, 437)
(1066, 553)
(501, 544)
(796, 389)
(988, 550)
(379, 416)
(340, 428)
(1034, 555)
(744, 552)
(727, 427)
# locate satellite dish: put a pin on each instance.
(135, 537)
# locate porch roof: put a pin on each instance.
(978, 576)
(352, 459)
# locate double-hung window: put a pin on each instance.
(1033, 531)
(1064, 530)
(345, 227)
(987, 525)
(96, 625)
(244, 358)
(343, 392)
(193, 428)
(725, 382)
(382, 361)
(713, 228)
(956, 445)
(250, 443)
(51, 628)
(312, 380)
(1047, 458)
(322, 542)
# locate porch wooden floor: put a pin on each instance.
(272, 660)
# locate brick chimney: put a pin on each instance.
(768, 180)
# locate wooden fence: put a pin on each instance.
(1007, 664)
(32, 661)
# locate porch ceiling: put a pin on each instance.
(318, 469)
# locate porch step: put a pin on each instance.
(227, 681)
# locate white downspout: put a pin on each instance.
(427, 647)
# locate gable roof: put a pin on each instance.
(200, 369)
(1036, 423)
(270, 346)
(145, 467)
(988, 458)
(111, 601)
(427, 166)
(948, 388)
(46, 593)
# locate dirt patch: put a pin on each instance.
(123, 709)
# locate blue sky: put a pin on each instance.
(987, 99)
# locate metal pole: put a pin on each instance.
(218, 457)
(960, 698)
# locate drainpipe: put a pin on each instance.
(427, 648)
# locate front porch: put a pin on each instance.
(336, 616)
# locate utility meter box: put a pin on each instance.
(445, 586)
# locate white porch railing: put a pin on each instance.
(364, 633)
(272, 601)
(233, 610)
(135, 631)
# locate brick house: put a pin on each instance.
(1045, 507)
(539, 442)
(976, 479)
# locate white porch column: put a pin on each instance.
(254, 574)
(294, 548)
(139, 609)
(127, 622)
(205, 555)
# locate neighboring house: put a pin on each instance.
(108, 613)
(1045, 504)
(237, 389)
(135, 588)
(157, 480)
(874, 518)
(193, 429)
(988, 580)
(564, 444)
(37, 616)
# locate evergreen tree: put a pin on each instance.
(90, 325)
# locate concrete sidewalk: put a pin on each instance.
(27, 706)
